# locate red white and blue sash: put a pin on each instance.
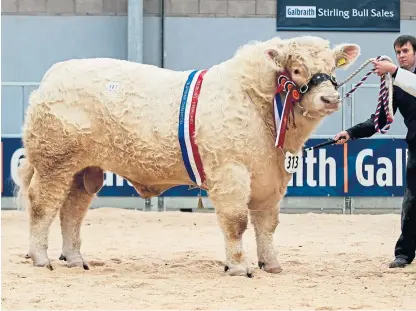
(189, 149)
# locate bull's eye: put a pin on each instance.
(296, 71)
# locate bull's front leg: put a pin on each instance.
(230, 194)
(265, 223)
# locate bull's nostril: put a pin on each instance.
(325, 100)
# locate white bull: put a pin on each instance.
(95, 115)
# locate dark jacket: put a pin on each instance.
(406, 104)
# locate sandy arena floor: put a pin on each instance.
(174, 260)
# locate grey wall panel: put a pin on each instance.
(152, 35)
(31, 44)
(11, 110)
(203, 42)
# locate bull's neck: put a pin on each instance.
(257, 83)
(297, 134)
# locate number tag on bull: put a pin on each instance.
(292, 162)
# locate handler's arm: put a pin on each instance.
(405, 80)
(363, 129)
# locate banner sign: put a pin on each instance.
(365, 167)
(338, 15)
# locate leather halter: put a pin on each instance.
(282, 111)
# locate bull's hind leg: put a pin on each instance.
(46, 194)
(265, 223)
(230, 196)
(84, 185)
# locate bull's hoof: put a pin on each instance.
(76, 261)
(39, 260)
(270, 268)
(42, 264)
(238, 270)
(75, 264)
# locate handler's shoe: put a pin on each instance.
(398, 263)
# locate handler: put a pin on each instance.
(404, 98)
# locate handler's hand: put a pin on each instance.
(342, 141)
(383, 66)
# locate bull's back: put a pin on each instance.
(120, 107)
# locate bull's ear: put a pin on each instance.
(272, 54)
(277, 56)
(346, 54)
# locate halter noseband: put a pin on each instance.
(317, 79)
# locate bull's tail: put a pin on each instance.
(25, 174)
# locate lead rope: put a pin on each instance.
(385, 98)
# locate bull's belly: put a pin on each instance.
(148, 175)
(146, 167)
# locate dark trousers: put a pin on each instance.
(406, 244)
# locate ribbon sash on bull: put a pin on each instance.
(186, 131)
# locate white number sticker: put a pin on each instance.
(292, 162)
(113, 86)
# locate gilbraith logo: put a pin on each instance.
(301, 11)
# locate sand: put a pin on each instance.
(174, 260)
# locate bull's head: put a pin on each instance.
(311, 63)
